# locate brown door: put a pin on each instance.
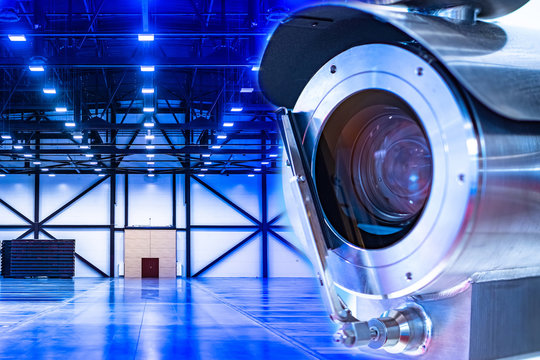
(150, 267)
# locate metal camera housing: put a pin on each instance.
(471, 88)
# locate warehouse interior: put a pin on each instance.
(136, 142)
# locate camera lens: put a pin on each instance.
(373, 169)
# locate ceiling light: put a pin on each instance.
(237, 109)
(150, 155)
(150, 175)
(70, 124)
(84, 147)
(200, 175)
(265, 162)
(37, 163)
(147, 68)
(77, 136)
(101, 175)
(150, 163)
(255, 68)
(228, 124)
(49, 90)
(146, 37)
(251, 175)
(207, 163)
(150, 147)
(273, 155)
(6, 137)
(61, 109)
(93, 162)
(2, 175)
(19, 37)
(52, 175)
(247, 90)
(256, 169)
(206, 155)
(97, 169)
(147, 90)
(89, 155)
(36, 68)
(204, 169)
(222, 136)
(149, 137)
(215, 147)
(27, 155)
(148, 109)
(17, 147)
(44, 169)
(148, 124)
(150, 169)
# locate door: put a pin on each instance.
(150, 267)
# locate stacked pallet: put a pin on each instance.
(33, 258)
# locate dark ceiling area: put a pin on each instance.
(149, 87)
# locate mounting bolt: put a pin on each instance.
(333, 69)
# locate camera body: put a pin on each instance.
(414, 151)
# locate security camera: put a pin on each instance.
(413, 138)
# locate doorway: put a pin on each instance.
(150, 267)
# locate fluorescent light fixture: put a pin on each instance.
(151, 169)
(70, 124)
(18, 37)
(204, 169)
(215, 147)
(97, 169)
(228, 124)
(199, 175)
(251, 175)
(78, 136)
(273, 155)
(52, 175)
(17, 147)
(255, 68)
(83, 147)
(6, 137)
(146, 37)
(147, 90)
(101, 175)
(93, 162)
(150, 156)
(37, 163)
(150, 147)
(61, 109)
(206, 155)
(149, 124)
(148, 68)
(36, 68)
(149, 137)
(247, 90)
(148, 109)
(150, 175)
(237, 109)
(2, 175)
(150, 163)
(256, 169)
(265, 162)
(207, 163)
(44, 169)
(49, 91)
(27, 155)
(89, 155)
(222, 136)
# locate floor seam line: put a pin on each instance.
(140, 330)
(276, 332)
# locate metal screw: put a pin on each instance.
(461, 178)
(420, 71)
(333, 69)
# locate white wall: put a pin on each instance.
(150, 204)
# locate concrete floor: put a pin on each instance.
(165, 319)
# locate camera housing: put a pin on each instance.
(414, 144)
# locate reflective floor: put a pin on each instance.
(165, 319)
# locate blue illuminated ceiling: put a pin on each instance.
(204, 113)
